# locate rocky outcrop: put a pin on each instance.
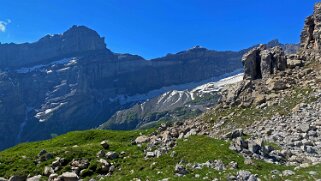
(310, 47)
(76, 40)
(261, 62)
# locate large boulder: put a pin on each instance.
(18, 178)
(262, 62)
(34, 178)
(277, 85)
(251, 63)
(141, 139)
(70, 176)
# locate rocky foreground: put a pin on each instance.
(289, 136)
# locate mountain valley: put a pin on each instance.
(71, 109)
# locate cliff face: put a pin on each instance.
(310, 46)
(261, 62)
(72, 81)
(76, 40)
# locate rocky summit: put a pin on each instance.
(76, 40)
(181, 118)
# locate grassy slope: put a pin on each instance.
(20, 159)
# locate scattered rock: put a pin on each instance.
(288, 173)
(150, 154)
(101, 154)
(48, 171)
(70, 176)
(52, 177)
(294, 63)
(35, 178)
(18, 178)
(234, 134)
(104, 144)
(112, 155)
(181, 170)
(141, 139)
(245, 175)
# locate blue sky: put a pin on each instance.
(153, 28)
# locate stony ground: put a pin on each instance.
(298, 135)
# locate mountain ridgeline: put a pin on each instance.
(72, 81)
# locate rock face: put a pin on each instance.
(76, 40)
(310, 47)
(261, 62)
(73, 82)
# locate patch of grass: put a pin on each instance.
(196, 149)
(81, 144)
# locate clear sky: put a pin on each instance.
(153, 28)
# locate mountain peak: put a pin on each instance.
(76, 40)
(80, 29)
(197, 48)
(273, 43)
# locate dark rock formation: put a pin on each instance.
(261, 62)
(78, 39)
(310, 47)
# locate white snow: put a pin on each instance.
(63, 69)
(65, 61)
(47, 113)
(224, 79)
(216, 86)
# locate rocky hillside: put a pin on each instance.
(71, 81)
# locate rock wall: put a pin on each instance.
(262, 62)
(310, 46)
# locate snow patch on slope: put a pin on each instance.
(232, 77)
(47, 113)
(40, 67)
(216, 86)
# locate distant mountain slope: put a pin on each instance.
(288, 48)
(71, 81)
(170, 106)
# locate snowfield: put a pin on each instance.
(209, 85)
(40, 67)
